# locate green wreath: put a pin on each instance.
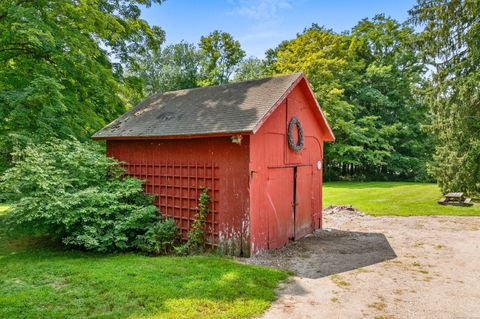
(294, 122)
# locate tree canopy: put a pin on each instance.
(216, 59)
(220, 56)
(174, 67)
(62, 66)
(365, 81)
(250, 69)
(450, 45)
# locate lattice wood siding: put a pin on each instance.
(177, 186)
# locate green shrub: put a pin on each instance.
(161, 238)
(73, 192)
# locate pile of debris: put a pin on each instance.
(342, 209)
(336, 215)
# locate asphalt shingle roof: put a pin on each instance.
(236, 107)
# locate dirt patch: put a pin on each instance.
(328, 252)
(361, 266)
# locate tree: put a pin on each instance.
(365, 82)
(450, 44)
(56, 74)
(173, 68)
(221, 55)
(250, 69)
(330, 62)
(389, 91)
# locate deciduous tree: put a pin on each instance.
(365, 81)
(221, 55)
(175, 67)
(61, 66)
(250, 69)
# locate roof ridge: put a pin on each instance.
(230, 83)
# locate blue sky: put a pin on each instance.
(263, 24)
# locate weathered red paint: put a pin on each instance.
(263, 193)
(280, 221)
(164, 165)
(271, 158)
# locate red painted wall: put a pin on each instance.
(272, 222)
(177, 169)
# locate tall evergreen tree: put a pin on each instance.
(450, 43)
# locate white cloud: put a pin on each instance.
(259, 35)
(267, 18)
(260, 10)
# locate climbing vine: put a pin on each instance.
(196, 235)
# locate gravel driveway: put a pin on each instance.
(381, 267)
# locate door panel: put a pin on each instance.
(294, 108)
(314, 145)
(274, 148)
(279, 206)
(303, 210)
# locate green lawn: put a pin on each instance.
(392, 198)
(39, 280)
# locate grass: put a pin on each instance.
(392, 198)
(40, 280)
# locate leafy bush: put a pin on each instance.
(161, 238)
(73, 192)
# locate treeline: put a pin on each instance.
(404, 105)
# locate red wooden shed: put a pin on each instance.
(256, 145)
